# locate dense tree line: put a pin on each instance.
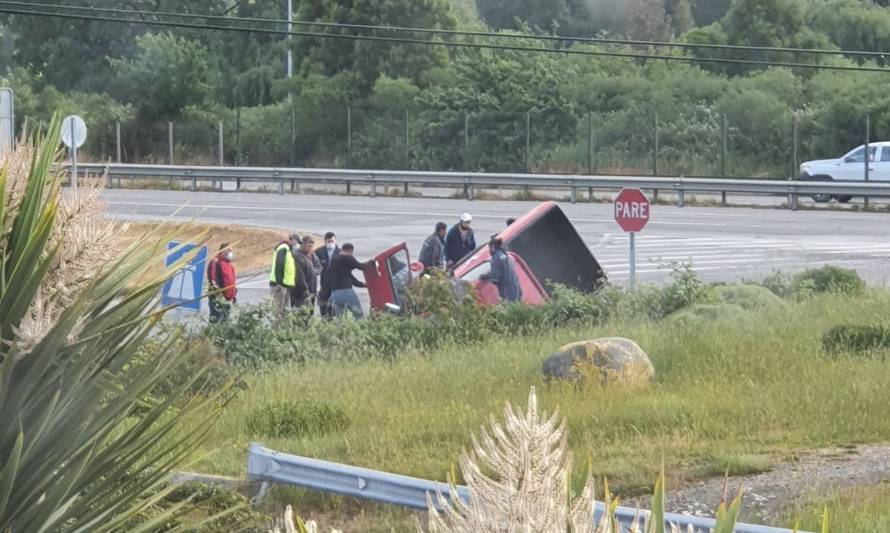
(400, 105)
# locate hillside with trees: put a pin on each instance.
(391, 104)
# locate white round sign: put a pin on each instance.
(74, 131)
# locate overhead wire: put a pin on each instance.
(466, 33)
(439, 43)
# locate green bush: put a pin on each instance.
(297, 419)
(829, 279)
(748, 297)
(856, 339)
(699, 315)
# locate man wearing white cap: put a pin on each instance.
(460, 241)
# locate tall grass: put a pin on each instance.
(725, 391)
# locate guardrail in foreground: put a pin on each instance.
(268, 465)
(470, 180)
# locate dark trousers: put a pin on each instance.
(219, 309)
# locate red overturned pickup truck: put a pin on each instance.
(543, 243)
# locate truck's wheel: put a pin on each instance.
(844, 198)
(822, 197)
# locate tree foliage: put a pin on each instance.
(351, 102)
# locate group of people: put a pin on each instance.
(447, 247)
(303, 276)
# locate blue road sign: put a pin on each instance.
(184, 289)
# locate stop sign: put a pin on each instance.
(631, 210)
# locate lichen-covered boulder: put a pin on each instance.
(610, 360)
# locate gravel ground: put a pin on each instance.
(768, 495)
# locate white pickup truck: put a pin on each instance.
(850, 167)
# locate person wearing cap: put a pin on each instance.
(503, 272)
(283, 276)
(460, 241)
(432, 255)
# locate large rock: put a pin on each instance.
(610, 360)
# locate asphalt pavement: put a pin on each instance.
(721, 243)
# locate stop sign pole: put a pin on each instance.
(632, 213)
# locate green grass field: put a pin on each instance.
(729, 394)
(865, 509)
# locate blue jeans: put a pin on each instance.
(344, 299)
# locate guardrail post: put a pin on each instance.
(590, 193)
(574, 194)
(108, 178)
(237, 184)
(194, 182)
(680, 198)
(406, 188)
(723, 198)
(373, 187)
(794, 200)
(348, 187)
(280, 182)
(654, 195)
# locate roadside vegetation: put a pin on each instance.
(742, 381)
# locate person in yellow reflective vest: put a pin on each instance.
(283, 276)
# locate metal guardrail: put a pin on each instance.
(268, 465)
(471, 181)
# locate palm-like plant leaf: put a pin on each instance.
(73, 456)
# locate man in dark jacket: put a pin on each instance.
(324, 256)
(340, 282)
(460, 241)
(432, 255)
(503, 272)
(306, 289)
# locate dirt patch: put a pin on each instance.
(768, 495)
(253, 246)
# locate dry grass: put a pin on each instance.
(253, 246)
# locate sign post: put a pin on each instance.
(74, 134)
(632, 214)
(7, 120)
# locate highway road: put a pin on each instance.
(725, 244)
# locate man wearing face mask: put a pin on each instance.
(325, 254)
(221, 287)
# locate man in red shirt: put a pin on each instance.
(221, 284)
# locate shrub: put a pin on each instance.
(829, 279)
(703, 314)
(856, 339)
(684, 290)
(748, 297)
(297, 419)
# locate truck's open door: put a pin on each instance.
(388, 280)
